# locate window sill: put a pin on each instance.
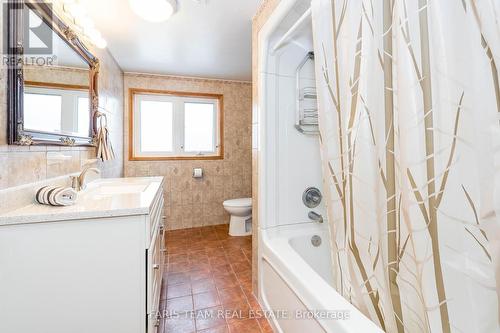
(176, 158)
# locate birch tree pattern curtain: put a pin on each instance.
(410, 141)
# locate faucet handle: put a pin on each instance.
(312, 197)
(315, 217)
(75, 183)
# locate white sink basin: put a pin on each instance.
(121, 189)
(116, 187)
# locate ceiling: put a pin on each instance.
(204, 38)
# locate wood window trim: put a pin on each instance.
(137, 91)
(50, 85)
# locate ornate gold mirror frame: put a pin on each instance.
(17, 134)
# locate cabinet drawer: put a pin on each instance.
(155, 270)
(156, 215)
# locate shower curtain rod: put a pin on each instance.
(289, 34)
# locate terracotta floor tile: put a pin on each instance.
(205, 300)
(200, 265)
(208, 318)
(218, 261)
(177, 278)
(230, 246)
(203, 286)
(198, 257)
(231, 295)
(223, 272)
(215, 251)
(176, 250)
(177, 242)
(246, 284)
(243, 266)
(180, 304)
(247, 253)
(177, 257)
(216, 269)
(197, 247)
(178, 290)
(180, 266)
(179, 325)
(236, 255)
(265, 326)
(193, 253)
(226, 281)
(201, 274)
(220, 329)
(236, 311)
(244, 326)
(244, 277)
(213, 244)
(252, 301)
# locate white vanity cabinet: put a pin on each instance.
(95, 267)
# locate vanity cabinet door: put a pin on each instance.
(154, 284)
(155, 265)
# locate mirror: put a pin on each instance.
(53, 91)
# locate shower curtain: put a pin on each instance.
(409, 100)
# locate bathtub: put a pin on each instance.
(296, 283)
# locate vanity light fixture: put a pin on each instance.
(77, 14)
(154, 10)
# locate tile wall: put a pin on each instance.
(193, 202)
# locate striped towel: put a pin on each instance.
(56, 196)
(104, 149)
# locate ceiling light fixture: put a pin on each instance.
(154, 10)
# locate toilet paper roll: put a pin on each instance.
(197, 173)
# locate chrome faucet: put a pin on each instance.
(78, 182)
(315, 217)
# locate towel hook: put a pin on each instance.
(98, 115)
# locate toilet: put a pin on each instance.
(241, 216)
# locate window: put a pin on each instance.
(42, 112)
(175, 125)
(83, 108)
(57, 108)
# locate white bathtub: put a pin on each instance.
(296, 283)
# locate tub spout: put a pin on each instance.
(315, 217)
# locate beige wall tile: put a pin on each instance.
(26, 167)
(202, 197)
(61, 163)
(4, 158)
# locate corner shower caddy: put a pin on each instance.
(307, 102)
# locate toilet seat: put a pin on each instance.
(241, 202)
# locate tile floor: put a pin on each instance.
(207, 283)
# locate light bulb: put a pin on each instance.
(87, 23)
(101, 43)
(93, 34)
(76, 10)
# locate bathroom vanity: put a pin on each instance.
(94, 267)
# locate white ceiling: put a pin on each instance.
(204, 38)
